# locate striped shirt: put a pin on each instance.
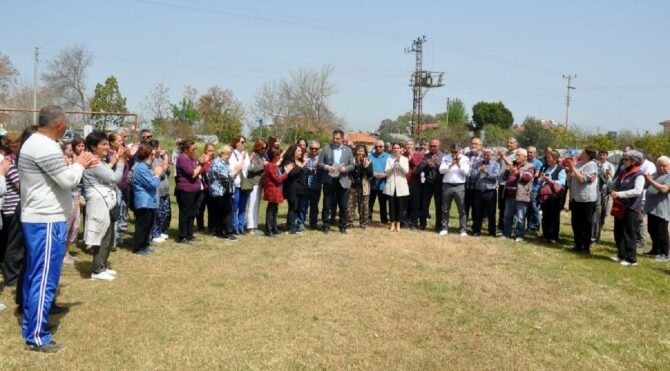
(46, 181)
(13, 194)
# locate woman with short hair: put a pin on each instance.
(221, 188)
(626, 207)
(583, 183)
(188, 187)
(144, 184)
(552, 175)
(657, 208)
(255, 172)
(100, 191)
(359, 192)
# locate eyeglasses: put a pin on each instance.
(315, 149)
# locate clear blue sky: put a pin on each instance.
(510, 51)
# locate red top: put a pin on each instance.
(272, 190)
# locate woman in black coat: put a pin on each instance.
(295, 186)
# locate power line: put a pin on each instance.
(567, 98)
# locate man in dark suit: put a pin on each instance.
(336, 161)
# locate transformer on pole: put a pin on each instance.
(420, 82)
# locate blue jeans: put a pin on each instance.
(534, 213)
(240, 199)
(515, 209)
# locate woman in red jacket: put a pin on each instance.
(272, 191)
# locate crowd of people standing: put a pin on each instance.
(48, 188)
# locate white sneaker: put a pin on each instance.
(164, 236)
(627, 263)
(111, 272)
(463, 234)
(2, 307)
(444, 232)
(158, 240)
(519, 239)
(615, 259)
(102, 276)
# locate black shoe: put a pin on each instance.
(476, 234)
(343, 230)
(191, 239)
(232, 238)
(185, 241)
(52, 347)
(58, 309)
(325, 230)
(650, 253)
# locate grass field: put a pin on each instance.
(366, 300)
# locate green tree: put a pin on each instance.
(458, 114)
(221, 113)
(108, 98)
(486, 113)
(185, 112)
(534, 133)
(495, 136)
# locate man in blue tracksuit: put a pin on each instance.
(46, 183)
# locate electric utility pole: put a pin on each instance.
(420, 82)
(37, 59)
(567, 98)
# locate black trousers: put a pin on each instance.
(205, 202)
(187, 202)
(398, 204)
(624, 235)
(271, 218)
(658, 231)
(11, 241)
(551, 218)
(222, 214)
(582, 224)
(383, 200)
(413, 209)
(430, 191)
(144, 222)
(484, 204)
(334, 195)
(469, 203)
(501, 206)
(314, 198)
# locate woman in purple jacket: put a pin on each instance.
(188, 187)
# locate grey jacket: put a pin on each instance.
(326, 158)
(164, 186)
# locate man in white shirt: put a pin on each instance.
(455, 168)
(46, 183)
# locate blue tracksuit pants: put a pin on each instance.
(45, 250)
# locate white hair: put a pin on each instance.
(663, 159)
(521, 151)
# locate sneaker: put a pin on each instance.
(164, 236)
(661, 258)
(158, 240)
(70, 260)
(102, 276)
(2, 307)
(626, 263)
(52, 347)
(444, 232)
(519, 239)
(143, 252)
(463, 234)
(615, 259)
(110, 272)
(232, 238)
(499, 233)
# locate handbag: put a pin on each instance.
(549, 191)
(618, 209)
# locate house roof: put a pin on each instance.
(361, 138)
(665, 123)
(430, 126)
